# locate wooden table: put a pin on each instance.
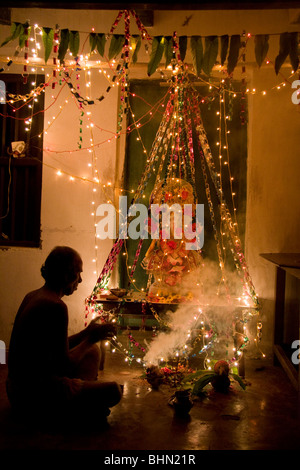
(287, 264)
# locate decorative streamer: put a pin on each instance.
(26, 54)
(55, 51)
(243, 86)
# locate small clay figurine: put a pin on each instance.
(182, 402)
(154, 377)
(221, 381)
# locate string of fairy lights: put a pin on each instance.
(35, 49)
(129, 356)
(62, 76)
(201, 336)
(36, 91)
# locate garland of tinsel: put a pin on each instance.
(104, 277)
(188, 109)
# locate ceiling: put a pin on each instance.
(155, 5)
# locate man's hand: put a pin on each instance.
(100, 332)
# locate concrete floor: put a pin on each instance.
(263, 417)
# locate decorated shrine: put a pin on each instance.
(177, 275)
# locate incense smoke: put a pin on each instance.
(216, 302)
(165, 344)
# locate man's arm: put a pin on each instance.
(77, 338)
(93, 333)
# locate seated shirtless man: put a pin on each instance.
(50, 373)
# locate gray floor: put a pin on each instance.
(263, 417)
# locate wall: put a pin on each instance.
(273, 211)
(273, 162)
